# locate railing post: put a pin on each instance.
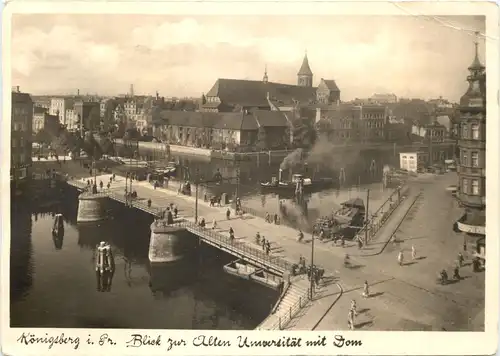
(290, 312)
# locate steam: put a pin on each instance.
(293, 214)
(292, 159)
(321, 152)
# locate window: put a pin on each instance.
(465, 186)
(475, 187)
(463, 158)
(465, 131)
(475, 131)
(474, 159)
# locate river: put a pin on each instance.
(53, 283)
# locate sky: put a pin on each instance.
(421, 57)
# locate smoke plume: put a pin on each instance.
(292, 159)
(321, 152)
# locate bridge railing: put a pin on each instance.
(244, 249)
(380, 216)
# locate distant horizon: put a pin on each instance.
(183, 56)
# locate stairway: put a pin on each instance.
(294, 293)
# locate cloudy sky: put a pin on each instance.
(183, 56)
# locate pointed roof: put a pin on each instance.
(476, 64)
(305, 69)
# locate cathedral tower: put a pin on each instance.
(305, 75)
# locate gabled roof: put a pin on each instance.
(304, 68)
(252, 93)
(331, 84)
(267, 118)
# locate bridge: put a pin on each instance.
(285, 250)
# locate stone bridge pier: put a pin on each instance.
(92, 207)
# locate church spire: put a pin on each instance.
(305, 75)
(265, 78)
(476, 64)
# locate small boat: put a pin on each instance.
(266, 279)
(240, 269)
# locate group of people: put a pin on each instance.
(274, 219)
(261, 241)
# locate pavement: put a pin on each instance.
(404, 297)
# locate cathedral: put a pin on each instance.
(229, 95)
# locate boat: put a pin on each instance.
(346, 221)
(240, 268)
(267, 279)
(298, 183)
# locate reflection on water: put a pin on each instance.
(54, 284)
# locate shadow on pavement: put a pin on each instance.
(366, 323)
(374, 295)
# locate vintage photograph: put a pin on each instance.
(248, 172)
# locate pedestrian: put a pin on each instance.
(263, 243)
(101, 184)
(400, 258)
(268, 249)
(360, 243)
(268, 246)
(413, 253)
(460, 260)
(214, 224)
(176, 211)
(354, 307)
(109, 185)
(268, 219)
(350, 320)
(456, 273)
(275, 219)
(205, 197)
(342, 240)
(228, 214)
(366, 292)
(231, 231)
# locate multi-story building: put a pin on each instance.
(88, 112)
(58, 107)
(21, 139)
(472, 146)
(384, 98)
(71, 119)
(42, 120)
(347, 123)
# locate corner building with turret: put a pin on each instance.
(472, 161)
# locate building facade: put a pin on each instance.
(21, 140)
(89, 113)
(472, 147)
(42, 120)
(58, 107)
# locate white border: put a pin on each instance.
(377, 343)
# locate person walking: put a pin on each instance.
(413, 253)
(366, 292)
(354, 307)
(268, 246)
(350, 319)
(263, 243)
(176, 211)
(228, 214)
(400, 258)
(214, 224)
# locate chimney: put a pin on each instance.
(77, 92)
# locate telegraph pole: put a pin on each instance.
(367, 215)
(312, 269)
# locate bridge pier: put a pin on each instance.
(169, 243)
(91, 207)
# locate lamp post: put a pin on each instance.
(311, 288)
(366, 215)
(197, 182)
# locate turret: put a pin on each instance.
(305, 75)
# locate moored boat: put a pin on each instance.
(298, 183)
(240, 268)
(266, 279)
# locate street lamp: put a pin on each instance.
(312, 268)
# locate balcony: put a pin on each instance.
(471, 171)
(474, 201)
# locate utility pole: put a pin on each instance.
(197, 183)
(237, 179)
(367, 215)
(312, 269)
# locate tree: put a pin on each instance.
(91, 147)
(43, 136)
(94, 118)
(108, 148)
(304, 133)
